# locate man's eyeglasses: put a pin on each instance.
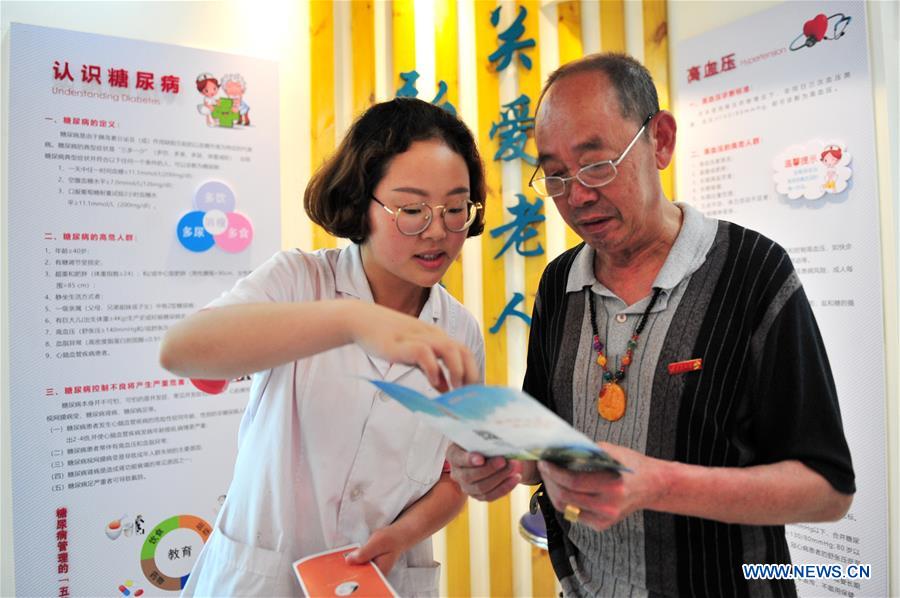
(412, 219)
(592, 175)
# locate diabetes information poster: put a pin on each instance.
(776, 133)
(143, 182)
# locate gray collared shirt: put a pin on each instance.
(687, 254)
(612, 564)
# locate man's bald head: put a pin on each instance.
(631, 80)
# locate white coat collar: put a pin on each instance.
(350, 281)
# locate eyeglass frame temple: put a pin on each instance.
(616, 162)
(386, 209)
(636, 137)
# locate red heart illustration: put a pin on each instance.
(212, 387)
(816, 27)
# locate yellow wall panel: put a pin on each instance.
(362, 30)
(656, 59)
(457, 569)
(543, 579)
(570, 48)
(530, 85)
(500, 547)
(569, 30)
(542, 576)
(446, 45)
(612, 25)
(493, 272)
(446, 61)
(403, 28)
(321, 71)
(493, 276)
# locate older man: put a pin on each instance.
(685, 346)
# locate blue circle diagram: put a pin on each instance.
(192, 234)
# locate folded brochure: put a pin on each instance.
(498, 420)
(328, 574)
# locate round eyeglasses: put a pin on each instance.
(412, 219)
(592, 175)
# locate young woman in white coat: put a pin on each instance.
(323, 459)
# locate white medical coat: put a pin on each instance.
(323, 458)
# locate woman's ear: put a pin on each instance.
(662, 132)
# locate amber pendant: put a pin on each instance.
(611, 403)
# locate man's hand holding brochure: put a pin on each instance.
(502, 421)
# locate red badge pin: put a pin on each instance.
(680, 367)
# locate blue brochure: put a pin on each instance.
(497, 420)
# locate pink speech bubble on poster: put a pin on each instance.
(812, 170)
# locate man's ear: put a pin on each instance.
(662, 132)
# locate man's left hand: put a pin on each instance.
(606, 497)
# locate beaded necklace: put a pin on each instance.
(611, 401)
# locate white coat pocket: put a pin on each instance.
(228, 567)
(426, 455)
(416, 582)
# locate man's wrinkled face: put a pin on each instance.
(580, 123)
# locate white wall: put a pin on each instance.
(688, 18)
(277, 32)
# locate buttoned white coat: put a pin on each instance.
(323, 459)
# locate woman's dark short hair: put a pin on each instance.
(338, 195)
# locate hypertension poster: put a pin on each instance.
(776, 133)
